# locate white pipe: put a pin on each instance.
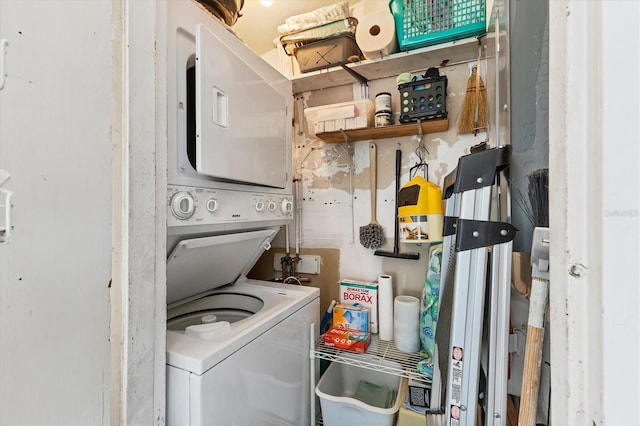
(298, 210)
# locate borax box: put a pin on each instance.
(362, 293)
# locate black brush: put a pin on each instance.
(538, 190)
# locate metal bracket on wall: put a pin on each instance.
(346, 137)
(363, 80)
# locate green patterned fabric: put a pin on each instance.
(429, 310)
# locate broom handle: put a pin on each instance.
(477, 114)
(396, 237)
(373, 178)
(533, 353)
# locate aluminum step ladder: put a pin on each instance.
(472, 334)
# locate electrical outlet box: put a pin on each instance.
(308, 264)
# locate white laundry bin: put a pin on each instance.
(339, 384)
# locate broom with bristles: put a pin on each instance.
(538, 190)
(372, 235)
(473, 117)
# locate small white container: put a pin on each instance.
(383, 119)
(339, 383)
(406, 323)
(383, 102)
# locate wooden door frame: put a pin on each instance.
(138, 293)
(593, 155)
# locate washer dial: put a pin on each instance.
(287, 207)
(212, 205)
(182, 205)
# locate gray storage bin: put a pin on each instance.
(339, 384)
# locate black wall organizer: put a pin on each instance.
(425, 98)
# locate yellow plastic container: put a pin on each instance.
(420, 211)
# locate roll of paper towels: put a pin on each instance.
(385, 307)
(376, 34)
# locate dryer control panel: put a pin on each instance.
(189, 206)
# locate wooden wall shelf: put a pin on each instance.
(394, 131)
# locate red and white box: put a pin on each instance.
(350, 340)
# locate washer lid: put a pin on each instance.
(200, 264)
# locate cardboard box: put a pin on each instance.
(418, 394)
(350, 340)
(361, 293)
(351, 317)
(408, 417)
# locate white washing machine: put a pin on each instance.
(237, 354)
(237, 349)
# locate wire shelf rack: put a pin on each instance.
(378, 351)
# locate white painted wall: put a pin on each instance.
(82, 299)
(55, 124)
(620, 192)
(594, 180)
(334, 206)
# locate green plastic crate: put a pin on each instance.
(421, 23)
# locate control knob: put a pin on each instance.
(287, 207)
(212, 205)
(182, 205)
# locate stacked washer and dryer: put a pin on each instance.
(237, 349)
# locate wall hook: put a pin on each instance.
(421, 149)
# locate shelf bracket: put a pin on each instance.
(421, 149)
(363, 80)
(346, 137)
